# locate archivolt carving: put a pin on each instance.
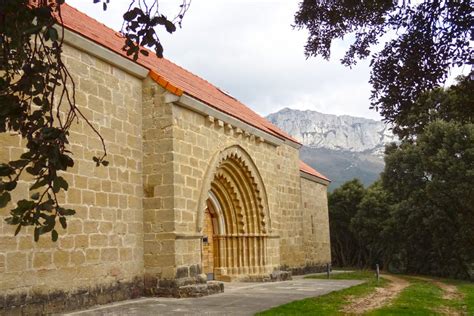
(234, 179)
(237, 199)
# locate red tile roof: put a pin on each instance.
(174, 78)
(307, 169)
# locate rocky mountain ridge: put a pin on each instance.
(318, 130)
(341, 147)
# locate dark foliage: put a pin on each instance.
(343, 206)
(454, 104)
(428, 38)
(372, 227)
(37, 101)
(139, 25)
(420, 217)
(432, 182)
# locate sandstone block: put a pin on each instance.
(109, 254)
(42, 260)
(61, 258)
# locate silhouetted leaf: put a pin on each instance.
(17, 230)
(5, 197)
(170, 27)
(59, 183)
(63, 222)
(35, 196)
(54, 235)
(39, 184)
(5, 170)
(18, 163)
(10, 186)
(37, 233)
(131, 15)
(53, 34)
(66, 212)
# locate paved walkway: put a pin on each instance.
(237, 299)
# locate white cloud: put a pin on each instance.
(249, 49)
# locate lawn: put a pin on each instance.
(421, 297)
(331, 303)
(467, 289)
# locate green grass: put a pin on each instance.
(331, 303)
(420, 298)
(364, 275)
(466, 289)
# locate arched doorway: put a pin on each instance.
(236, 213)
(208, 241)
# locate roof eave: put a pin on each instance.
(84, 44)
(314, 178)
(198, 106)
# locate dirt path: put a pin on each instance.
(450, 292)
(377, 299)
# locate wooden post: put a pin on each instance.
(378, 271)
(328, 269)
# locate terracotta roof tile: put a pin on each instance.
(174, 78)
(307, 169)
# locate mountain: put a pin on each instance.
(341, 147)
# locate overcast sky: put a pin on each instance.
(249, 49)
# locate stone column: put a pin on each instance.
(159, 219)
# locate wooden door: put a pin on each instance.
(208, 246)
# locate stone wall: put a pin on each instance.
(138, 225)
(315, 222)
(195, 140)
(158, 177)
(102, 247)
(289, 212)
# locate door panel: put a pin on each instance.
(208, 246)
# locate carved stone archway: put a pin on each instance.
(234, 190)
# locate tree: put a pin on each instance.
(428, 39)
(372, 226)
(343, 205)
(420, 217)
(432, 182)
(454, 104)
(37, 100)
(361, 225)
(431, 177)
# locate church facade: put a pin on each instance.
(199, 188)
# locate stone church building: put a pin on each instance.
(199, 187)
